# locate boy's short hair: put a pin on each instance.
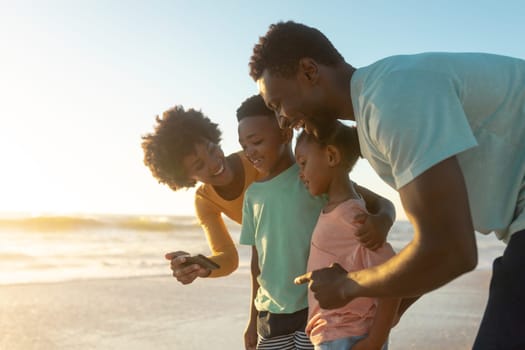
(343, 137)
(285, 43)
(254, 106)
(175, 136)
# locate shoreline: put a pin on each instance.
(157, 312)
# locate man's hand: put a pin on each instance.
(372, 234)
(378, 222)
(330, 285)
(188, 274)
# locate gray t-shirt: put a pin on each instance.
(414, 111)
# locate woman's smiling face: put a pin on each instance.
(208, 165)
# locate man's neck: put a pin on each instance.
(344, 75)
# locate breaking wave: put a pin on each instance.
(57, 223)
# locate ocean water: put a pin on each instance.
(36, 249)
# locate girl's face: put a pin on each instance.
(265, 144)
(314, 168)
(208, 165)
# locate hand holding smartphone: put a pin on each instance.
(200, 260)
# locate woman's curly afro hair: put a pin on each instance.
(175, 135)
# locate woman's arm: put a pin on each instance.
(223, 249)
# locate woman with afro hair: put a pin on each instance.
(184, 149)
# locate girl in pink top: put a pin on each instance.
(364, 323)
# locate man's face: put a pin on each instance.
(296, 103)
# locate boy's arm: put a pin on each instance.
(384, 319)
(250, 334)
(372, 234)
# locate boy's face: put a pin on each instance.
(264, 143)
(296, 101)
(314, 169)
(208, 165)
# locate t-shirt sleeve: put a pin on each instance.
(417, 122)
(247, 236)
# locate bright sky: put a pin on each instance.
(81, 81)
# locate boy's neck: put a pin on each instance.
(283, 164)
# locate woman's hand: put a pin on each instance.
(185, 274)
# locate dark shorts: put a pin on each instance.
(503, 323)
(282, 331)
(270, 325)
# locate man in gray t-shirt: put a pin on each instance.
(447, 131)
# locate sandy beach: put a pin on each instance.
(158, 313)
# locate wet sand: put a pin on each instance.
(158, 313)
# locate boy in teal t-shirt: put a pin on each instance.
(279, 215)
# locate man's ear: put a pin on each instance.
(334, 156)
(309, 70)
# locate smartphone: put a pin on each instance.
(201, 260)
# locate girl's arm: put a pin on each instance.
(386, 314)
(384, 319)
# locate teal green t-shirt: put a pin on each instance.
(415, 111)
(278, 217)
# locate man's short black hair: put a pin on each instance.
(254, 106)
(285, 43)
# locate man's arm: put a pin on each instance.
(443, 246)
(375, 203)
